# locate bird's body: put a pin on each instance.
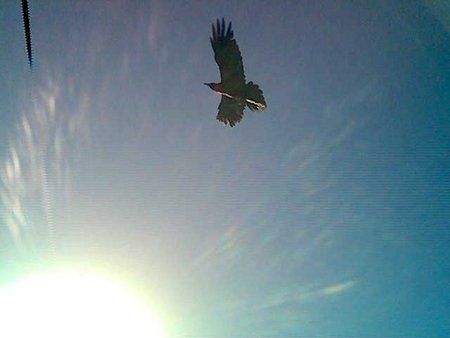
(235, 91)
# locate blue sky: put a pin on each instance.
(325, 215)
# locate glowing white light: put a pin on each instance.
(73, 304)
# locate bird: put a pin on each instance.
(236, 93)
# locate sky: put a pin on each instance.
(325, 215)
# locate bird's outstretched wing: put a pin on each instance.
(230, 111)
(227, 55)
(27, 29)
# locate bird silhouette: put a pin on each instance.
(235, 91)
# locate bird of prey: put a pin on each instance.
(235, 91)
(27, 29)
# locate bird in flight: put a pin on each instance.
(235, 91)
(27, 29)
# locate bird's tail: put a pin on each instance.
(254, 97)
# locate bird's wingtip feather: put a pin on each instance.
(229, 31)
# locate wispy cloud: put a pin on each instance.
(225, 248)
(38, 164)
(340, 121)
(301, 294)
(337, 288)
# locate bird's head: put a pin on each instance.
(213, 86)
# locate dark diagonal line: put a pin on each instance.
(27, 28)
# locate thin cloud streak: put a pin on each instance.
(37, 169)
(303, 294)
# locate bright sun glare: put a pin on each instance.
(73, 304)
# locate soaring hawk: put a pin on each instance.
(235, 92)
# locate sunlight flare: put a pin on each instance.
(74, 304)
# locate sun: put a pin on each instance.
(74, 304)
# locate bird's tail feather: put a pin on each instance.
(254, 97)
